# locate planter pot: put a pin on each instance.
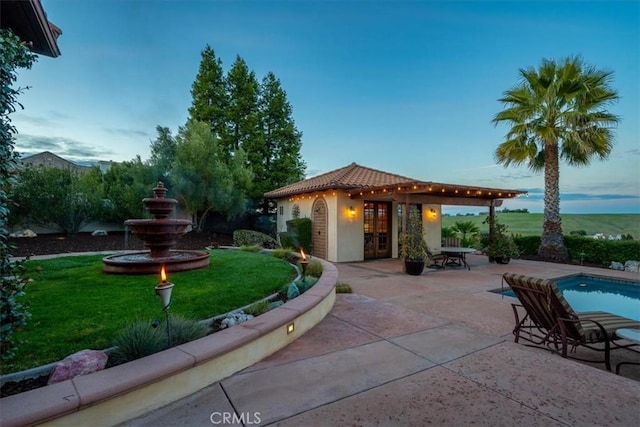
(502, 260)
(413, 267)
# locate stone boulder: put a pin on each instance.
(81, 363)
(616, 266)
(23, 233)
(632, 266)
(100, 233)
(235, 318)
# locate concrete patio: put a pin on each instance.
(416, 350)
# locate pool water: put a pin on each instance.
(593, 293)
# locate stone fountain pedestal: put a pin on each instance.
(160, 235)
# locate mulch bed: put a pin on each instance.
(48, 244)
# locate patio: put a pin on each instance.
(416, 350)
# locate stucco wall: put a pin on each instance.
(345, 235)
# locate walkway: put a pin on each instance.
(416, 350)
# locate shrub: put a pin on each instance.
(253, 248)
(587, 249)
(299, 234)
(285, 239)
(14, 314)
(343, 288)
(142, 339)
(252, 238)
(136, 341)
(314, 268)
(184, 330)
(258, 308)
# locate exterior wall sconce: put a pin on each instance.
(290, 328)
(352, 212)
(433, 212)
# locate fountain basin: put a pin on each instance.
(143, 263)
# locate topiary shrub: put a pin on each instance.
(298, 234)
(252, 238)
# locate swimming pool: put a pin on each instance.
(599, 293)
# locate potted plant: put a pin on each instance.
(413, 246)
(501, 247)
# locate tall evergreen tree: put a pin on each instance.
(242, 115)
(209, 95)
(277, 161)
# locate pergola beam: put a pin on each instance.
(440, 200)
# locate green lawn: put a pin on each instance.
(75, 306)
(531, 224)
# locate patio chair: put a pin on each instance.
(436, 260)
(452, 257)
(549, 320)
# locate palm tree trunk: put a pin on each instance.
(551, 243)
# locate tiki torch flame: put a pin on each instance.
(163, 274)
(304, 257)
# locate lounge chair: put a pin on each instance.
(549, 320)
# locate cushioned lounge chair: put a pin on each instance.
(549, 320)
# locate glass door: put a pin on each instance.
(377, 230)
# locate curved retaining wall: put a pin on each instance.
(132, 389)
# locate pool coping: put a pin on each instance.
(129, 390)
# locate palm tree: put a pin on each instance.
(557, 112)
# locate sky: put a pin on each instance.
(407, 87)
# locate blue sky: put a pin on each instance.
(405, 87)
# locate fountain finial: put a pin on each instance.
(160, 191)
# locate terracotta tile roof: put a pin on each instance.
(349, 177)
(359, 179)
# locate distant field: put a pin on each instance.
(531, 224)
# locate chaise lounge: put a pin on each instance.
(549, 320)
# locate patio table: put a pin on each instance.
(457, 252)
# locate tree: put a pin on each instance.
(204, 180)
(62, 197)
(163, 151)
(125, 185)
(276, 161)
(469, 232)
(13, 313)
(243, 122)
(557, 112)
(209, 94)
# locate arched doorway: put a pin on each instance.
(319, 228)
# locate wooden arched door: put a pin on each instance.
(319, 228)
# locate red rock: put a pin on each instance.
(81, 363)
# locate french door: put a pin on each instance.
(377, 230)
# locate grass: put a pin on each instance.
(75, 306)
(531, 224)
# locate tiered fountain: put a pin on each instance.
(159, 234)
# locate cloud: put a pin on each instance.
(127, 132)
(537, 194)
(67, 148)
(626, 153)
